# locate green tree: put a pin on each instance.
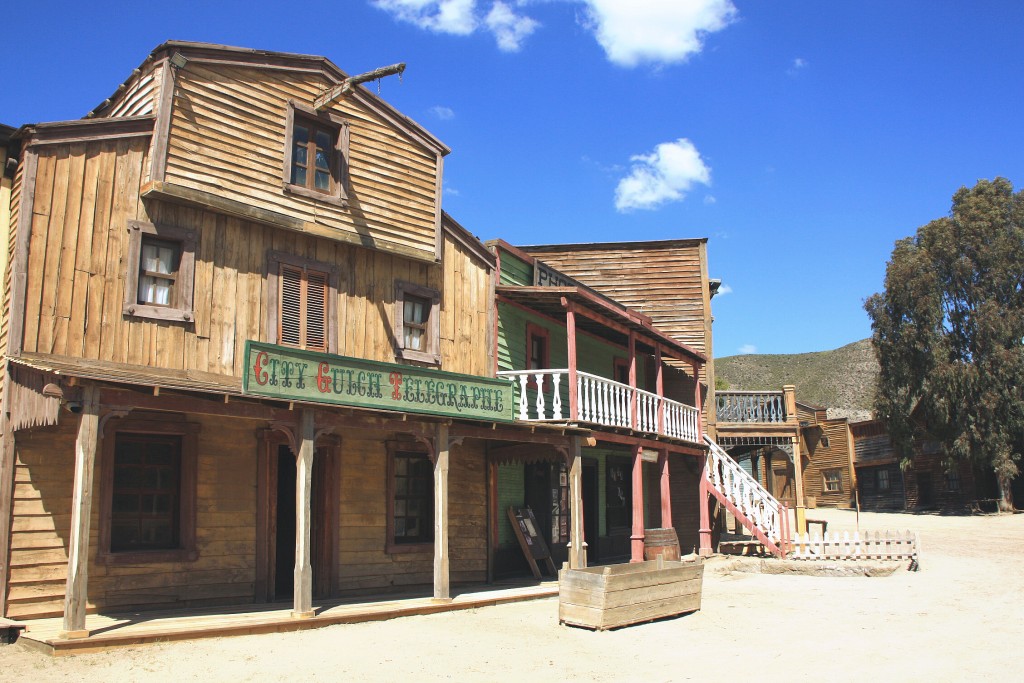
(949, 333)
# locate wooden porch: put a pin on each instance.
(120, 629)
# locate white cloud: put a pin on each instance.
(724, 289)
(462, 18)
(747, 349)
(656, 31)
(509, 29)
(443, 113)
(798, 65)
(709, 199)
(664, 175)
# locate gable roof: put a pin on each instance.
(288, 61)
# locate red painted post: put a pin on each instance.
(697, 401)
(705, 517)
(660, 389)
(637, 539)
(666, 491)
(634, 404)
(570, 329)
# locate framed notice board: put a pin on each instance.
(534, 548)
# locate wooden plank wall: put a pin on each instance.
(86, 193)
(140, 95)
(834, 456)
(684, 480)
(227, 137)
(9, 247)
(225, 570)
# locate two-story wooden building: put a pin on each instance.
(247, 354)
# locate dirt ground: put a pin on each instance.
(961, 617)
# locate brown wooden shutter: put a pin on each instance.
(316, 310)
(290, 331)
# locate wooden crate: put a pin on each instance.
(618, 595)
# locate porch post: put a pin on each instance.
(666, 491)
(577, 543)
(798, 474)
(637, 539)
(303, 581)
(76, 592)
(659, 387)
(705, 516)
(633, 403)
(697, 401)
(570, 333)
(441, 560)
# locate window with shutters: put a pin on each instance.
(303, 303)
(316, 154)
(159, 277)
(417, 323)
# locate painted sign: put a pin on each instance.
(546, 276)
(296, 375)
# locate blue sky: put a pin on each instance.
(801, 138)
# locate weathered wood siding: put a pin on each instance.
(140, 93)
(226, 501)
(227, 137)
(85, 195)
(834, 456)
(10, 230)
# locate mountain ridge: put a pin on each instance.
(841, 380)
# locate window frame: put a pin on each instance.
(537, 331)
(341, 134)
(620, 363)
(181, 308)
(838, 473)
(275, 259)
(394, 449)
(880, 475)
(432, 356)
(952, 480)
(186, 551)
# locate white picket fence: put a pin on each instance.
(877, 545)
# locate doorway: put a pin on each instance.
(590, 508)
(276, 543)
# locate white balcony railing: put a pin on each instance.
(751, 406)
(543, 396)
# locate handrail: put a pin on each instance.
(750, 406)
(751, 498)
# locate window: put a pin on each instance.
(149, 483)
(824, 441)
(953, 481)
(411, 511)
(161, 265)
(883, 479)
(303, 299)
(537, 354)
(621, 371)
(316, 154)
(417, 323)
(833, 481)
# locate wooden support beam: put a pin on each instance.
(798, 475)
(303, 583)
(76, 592)
(577, 542)
(633, 403)
(659, 388)
(332, 95)
(666, 491)
(570, 329)
(697, 402)
(704, 499)
(637, 538)
(442, 590)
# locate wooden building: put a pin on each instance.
(582, 358)
(247, 355)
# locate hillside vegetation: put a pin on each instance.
(842, 380)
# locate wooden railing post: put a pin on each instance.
(660, 389)
(697, 401)
(634, 403)
(789, 397)
(570, 330)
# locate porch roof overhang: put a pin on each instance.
(599, 316)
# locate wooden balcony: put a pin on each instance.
(757, 407)
(545, 396)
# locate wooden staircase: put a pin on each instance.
(758, 511)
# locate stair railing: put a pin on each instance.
(760, 512)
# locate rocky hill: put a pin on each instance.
(842, 380)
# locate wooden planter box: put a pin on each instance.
(618, 595)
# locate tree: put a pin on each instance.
(949, 333)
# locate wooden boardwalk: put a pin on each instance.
(123, 629)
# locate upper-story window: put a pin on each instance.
(417, 323)
(537, 353)
(303, 303)
(159, 276)
(316, 154)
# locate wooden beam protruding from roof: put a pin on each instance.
(332, 95)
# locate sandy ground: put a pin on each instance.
(961, 617)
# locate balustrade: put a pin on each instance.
(541, 395)
(750, 406)
(753, 500)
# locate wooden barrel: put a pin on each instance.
(661, 542)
